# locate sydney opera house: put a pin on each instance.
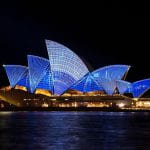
(65, 80)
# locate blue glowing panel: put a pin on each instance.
(38, 68)
(14, 73)
(87, 84)
(140, 87)
(24, 81)
(46, 82)
(62, 82)
(123, 86)
(107, 76)
(79, 86)
(66, 62)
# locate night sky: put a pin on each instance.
(102, 34)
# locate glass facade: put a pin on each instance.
(107, 76)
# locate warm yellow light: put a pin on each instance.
(43, 92)
(75, 104)
(6, 88)
(144, 104)
(135, 99)
(101, 104)
(53, 99)
(44, 105)
(66, 94)
(121, 105)
(18, 87)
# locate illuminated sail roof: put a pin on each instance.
(15, 73)
(123, 86)
(140, 87)
(38, 68)
(46, 82)
(24, 81)
(107, 76)
(87, 84)
(65, 70)
(66, 67)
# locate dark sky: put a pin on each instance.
(103, 34)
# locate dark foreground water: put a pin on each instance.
(74, 130)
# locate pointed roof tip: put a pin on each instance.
(129, 66)
(29, 55)
(53, 42)
(123, 81)
(21, 66)
(34, 56)
(46, 41)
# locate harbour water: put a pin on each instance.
(75, 130)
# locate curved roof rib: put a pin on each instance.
(87, 84)
(107, 76)
(15, 73)
(38, 68)
(64, 63)
(123, 86)
(140, 87)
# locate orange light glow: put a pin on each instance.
(43, 92)
(18, 87)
